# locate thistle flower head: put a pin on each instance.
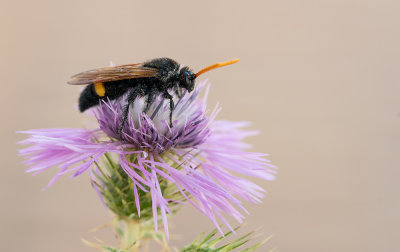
(151, 130)
(199, 158)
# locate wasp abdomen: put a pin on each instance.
(99, 89)
(88, 98)
(94, 93)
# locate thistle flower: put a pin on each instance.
(199, 156)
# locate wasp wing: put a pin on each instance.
(114, 73)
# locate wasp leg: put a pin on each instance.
(131, 98)
(171, 106)
(149, 100)
(178, 93)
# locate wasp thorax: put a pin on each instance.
(187, 79)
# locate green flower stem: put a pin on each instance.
(132, 237)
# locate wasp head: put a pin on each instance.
(187, 79)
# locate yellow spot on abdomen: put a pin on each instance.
(99, 89)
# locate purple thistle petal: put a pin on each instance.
(64, 148)
(137, 202)
(95, 186)
(128, 168)
(154, 207)
(59, 147)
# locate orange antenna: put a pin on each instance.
(221, 64)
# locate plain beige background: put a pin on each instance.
(320, 79)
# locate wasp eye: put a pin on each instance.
(185, 75)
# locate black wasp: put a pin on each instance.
(155, 77)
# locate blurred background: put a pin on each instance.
(320, 79)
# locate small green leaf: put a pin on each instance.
(208, 242)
